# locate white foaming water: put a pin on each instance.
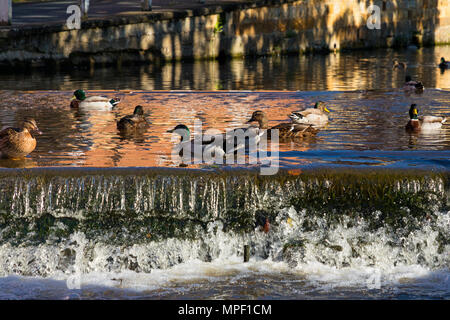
(290, 261)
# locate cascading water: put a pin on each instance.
(139, 230)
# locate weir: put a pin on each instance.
(140, 219)
(241, 199)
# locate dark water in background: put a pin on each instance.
(357, 70)
(339, 259)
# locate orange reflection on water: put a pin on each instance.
(90, 138)
(368, 120)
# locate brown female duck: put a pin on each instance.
(16, 143)
(133, 122)
(285, 130)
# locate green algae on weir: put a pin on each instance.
(155, 203)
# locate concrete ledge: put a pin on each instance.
(264, 27)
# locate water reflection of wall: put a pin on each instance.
(356, 70)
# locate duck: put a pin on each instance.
(315, 116)
(186, 143)
(217, 145)
(79, 100)
(16, 143)
(417, 123)
(133, 122)
(444, 64)
(285, 130)
(397, 64)
(412, 85)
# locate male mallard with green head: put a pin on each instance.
(412, 85)
(16, 143)
(444, 64)
(315, 116)
(133, 122)
(417, 123)
(207, 144)
(79, 100)
(285, 130)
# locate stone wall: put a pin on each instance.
(257, 28)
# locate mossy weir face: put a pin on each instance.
(141, 205)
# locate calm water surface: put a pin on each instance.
(358, 70)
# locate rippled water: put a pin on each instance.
(370, 123)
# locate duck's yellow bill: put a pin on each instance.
(326, 109)
(415, 111)
(73, 98)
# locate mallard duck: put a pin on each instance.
(397, 64)
(412, 85)
(315, 116)
(285, 130)
(417, 123)
(217, 145)
(17, 143)
(444, 64)
(208, 147)
(79, 100)
(133, 122)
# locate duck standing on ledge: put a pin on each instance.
(315, 116)
(79, 100)
(416, 123)
(134, 122)
(412, 85)
(444, 64)
(17, 143)
(285, 130)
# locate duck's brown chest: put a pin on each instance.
(19, 145)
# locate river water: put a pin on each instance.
(97, 235)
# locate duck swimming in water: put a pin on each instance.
(207, 145)
(444, 64)
(412, 85)
(79, 100)
(133, 122)
(285, 130)
(315, 116)
(216, 145)
(417, 123)
(17, 143)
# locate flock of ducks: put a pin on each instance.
(16, 143)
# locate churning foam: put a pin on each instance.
(298, 248)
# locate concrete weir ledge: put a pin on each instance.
(207, 194)
(261, 27)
